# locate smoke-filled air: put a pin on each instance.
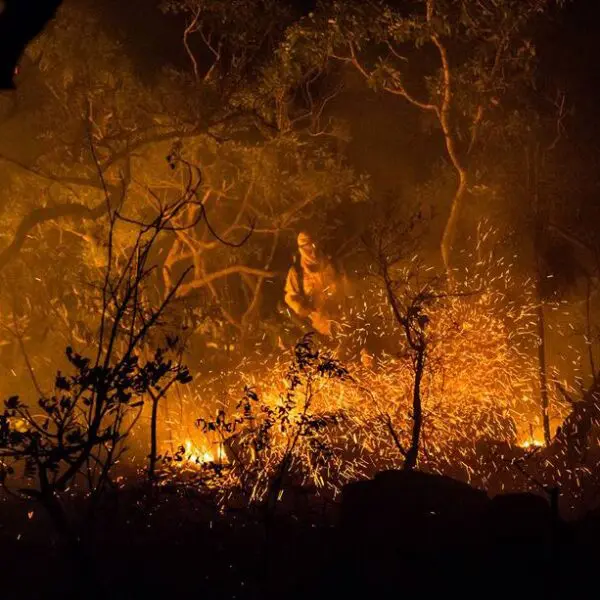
(299, 299)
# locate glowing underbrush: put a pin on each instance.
(310, 421)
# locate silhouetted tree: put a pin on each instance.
(456, 61)
(76, 434)
(20, 22)
(270, 443)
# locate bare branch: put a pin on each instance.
(187, 31)
(238, 269)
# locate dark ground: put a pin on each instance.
(399, 535)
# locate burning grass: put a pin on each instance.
(317, 421)
(317, 416)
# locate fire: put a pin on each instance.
(196, 455)
(480, 386)
(18, 425)
(532, 443)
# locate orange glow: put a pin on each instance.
(532, 443)
(197, 456)
(480, 385)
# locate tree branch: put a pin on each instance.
(41, 215)
(199, 283)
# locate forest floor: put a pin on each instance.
(395, 535)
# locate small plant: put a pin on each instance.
(75, 436)
(77, 433)
(273, 444)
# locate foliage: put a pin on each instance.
(458, 62)
(488, 41)
(255, 143)
(77, 433)
(271, 445)
(268, 156)
(80, 428)
(233, 38)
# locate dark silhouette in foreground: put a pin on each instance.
(402, 532)
(20, 22)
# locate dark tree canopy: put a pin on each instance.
(20, 22)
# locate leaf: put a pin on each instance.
(12, 403)
(62, 383)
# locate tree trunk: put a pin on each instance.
(412, 453)
(153, 439)
(543, 375)
(533, 166)
(451, 226)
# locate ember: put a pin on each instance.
(298, 283)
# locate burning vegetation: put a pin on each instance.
(310, 261)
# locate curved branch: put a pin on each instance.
(445, 122)
(397, 89)
(214, 233)
(400, 90)
(186, 34)
(41, 215)
(199, 283)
